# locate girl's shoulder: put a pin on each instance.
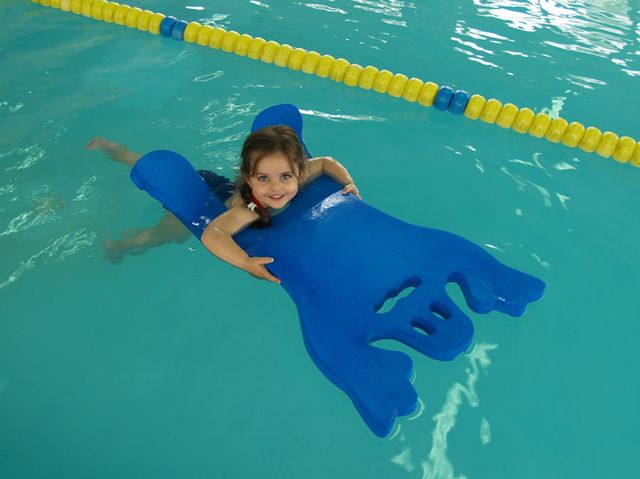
(235, 219)
(313, 170)
(234, 200)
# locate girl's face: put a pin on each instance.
(274, 183)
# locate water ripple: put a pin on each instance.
(32, 154)
(390, 8)
(338, 118)
(57, 250)
(438, 465)
(594, 27)
(85, 191)
(209, 76)
(226, 122)
(485, 432)
(44, 210)
(325, 8)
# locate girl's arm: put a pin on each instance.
(329, 166)
(217, 238)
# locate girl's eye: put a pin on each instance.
(262, 178)
(286, 177)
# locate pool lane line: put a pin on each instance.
(444, 98)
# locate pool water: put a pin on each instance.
(173, 364)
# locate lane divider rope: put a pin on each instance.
(623, 149)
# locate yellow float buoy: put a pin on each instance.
(540, 125)
(491, 111)
(296, 58)
(269, 51)
(76, 6)
(86, 8)
(191, 32)
(310, 62)
(556, 130)
(229, 40)
(382, 81)
(255, 48)
(428, 93)
(412, 90)
(352, 75)
(624, 149)
(397, 85)
(143, 20)
(281, 58)
(55, 4)
(607, 144)
(474, 107)
(131, 20)
(590, 139)
(110, 8)
(635, 157)
(523, 120)
(573, 135)
(96, 9)
(65, 5)
(507, 115)
(324, 66)
(204, 35)
(154, 23)
(120, 15)
(367, 77)
(215, 39)
(339, 69)
(242, 45)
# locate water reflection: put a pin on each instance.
(325, 8)
(389, 8)
(438, 465)
(596, 27)
(58, 249)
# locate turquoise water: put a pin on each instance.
(172, 364)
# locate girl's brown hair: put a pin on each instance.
(268, 140)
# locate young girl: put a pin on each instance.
(273, 168)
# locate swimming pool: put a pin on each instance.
(161, 366)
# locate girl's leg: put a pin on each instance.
(167, 230)
(114, 151)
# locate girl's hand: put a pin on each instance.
(351, 188)
(255, 266)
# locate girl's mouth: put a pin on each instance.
(276, 198)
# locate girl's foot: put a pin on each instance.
(109, 148)
(113, 150)
(112, 253)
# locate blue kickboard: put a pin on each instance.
(169, 178)
(339, 259)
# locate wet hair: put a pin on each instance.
(268, 140)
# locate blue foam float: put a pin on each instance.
(339, 259)
(443, 98)
(459, 102)
(166, 26)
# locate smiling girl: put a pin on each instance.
(273, 169)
